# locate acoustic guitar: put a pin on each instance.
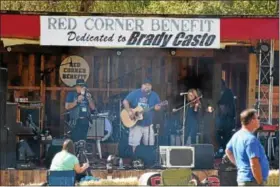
(128, 122)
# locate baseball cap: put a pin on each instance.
(147, 81)
(80, 82)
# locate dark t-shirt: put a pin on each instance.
(227, 99)
(138, 98)
(83, 107)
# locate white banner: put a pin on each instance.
(130, 32)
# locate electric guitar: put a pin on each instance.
(138, 111)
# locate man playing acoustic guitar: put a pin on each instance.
(145, 98)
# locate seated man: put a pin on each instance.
(66, 160)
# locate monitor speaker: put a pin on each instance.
(203, 156)
(177, 156)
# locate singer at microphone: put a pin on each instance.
(80, 105)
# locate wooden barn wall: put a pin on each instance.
(110, 75)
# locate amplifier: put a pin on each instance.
(96, 128)
(177, 156)
(27, 166)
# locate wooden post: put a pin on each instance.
(20, 64)
(42, 92)
(62, 110)
(51, 64)
(31, 70)
(251, 79)
(18, 93)
(62, 58)
(42, 81)
(62, 103)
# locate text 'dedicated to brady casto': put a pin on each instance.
(130, 32)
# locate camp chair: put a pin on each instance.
(61, 178)
(176, 177)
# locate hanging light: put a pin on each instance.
(263, 47)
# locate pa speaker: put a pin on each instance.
(204, 156)
(147, 154)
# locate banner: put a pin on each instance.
(73, 68)
(130, 32)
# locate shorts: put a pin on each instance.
(137, 132)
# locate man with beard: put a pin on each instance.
(145, 98)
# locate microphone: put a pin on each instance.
(7, 128)
(174, 110)
(184, 93)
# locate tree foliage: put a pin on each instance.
(187, 7)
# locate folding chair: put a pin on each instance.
(61, 178)
(176, 177)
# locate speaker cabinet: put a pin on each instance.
(33, 109)
(177, 156)
(204, 156)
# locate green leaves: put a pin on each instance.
(187, 7)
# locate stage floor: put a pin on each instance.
(13, 177)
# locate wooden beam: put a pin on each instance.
(31, 70)
(20, 63)
(64, 56)
(51, 64)
(42, 94)
(62, 109)
(42, 82)
(37, 88)
(251, 79)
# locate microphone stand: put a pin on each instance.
(184, 121)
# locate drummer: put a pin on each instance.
(80, 104)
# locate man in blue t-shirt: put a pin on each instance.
(246, 152)
(80, 104)
(145, 98)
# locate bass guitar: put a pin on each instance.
(138, 111)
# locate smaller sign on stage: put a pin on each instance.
(130, 32)
(73, 68)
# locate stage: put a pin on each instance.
(13, 177)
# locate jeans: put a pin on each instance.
(191, 130)
(81, 129)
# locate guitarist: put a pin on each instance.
(80, 104)
(145, 98)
